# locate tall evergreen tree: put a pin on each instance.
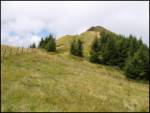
(80, 48)
(41, 43)
(110, 52)
(137, 67)
(95, 48)
(122, 51)
(133, 45)
(33, 45)
(76, 47)
(51, 44)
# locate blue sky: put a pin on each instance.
(25, 22)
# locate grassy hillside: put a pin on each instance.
(41, 81)
(87, 38)
(11, 50)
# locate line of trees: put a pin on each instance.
(128, 53)
(48, 43)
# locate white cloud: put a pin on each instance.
(20, 41)
(27, 18)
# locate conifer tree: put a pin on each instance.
(128, 53)
(122, 52)
(76, 47)
(51, 44)
(95, 48)
(80, 48)
(33, 45)
(137, 67)
(48, 43)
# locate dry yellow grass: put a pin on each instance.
(60, 82)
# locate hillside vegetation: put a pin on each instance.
(102, 46)
(42, 81)
(37, 79)
(87, 37)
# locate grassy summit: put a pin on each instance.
(87, 37)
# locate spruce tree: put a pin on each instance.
(80, 48)
(33, 45)
(137, 67)
(76, 48)
(95, 48)
(122, 51)
(110, 52)
(72, 48)
(51, 44)
(133, 45)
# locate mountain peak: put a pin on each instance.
(97, 29)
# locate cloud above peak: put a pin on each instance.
(24, 22)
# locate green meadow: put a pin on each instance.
(42, 81)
